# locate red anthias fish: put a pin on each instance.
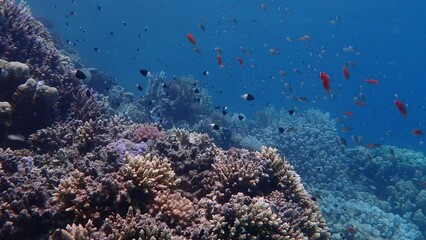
(325, 79)
(349, 114)
(417, 132)
(220, 61)
(372, 81)
(240, 61)
(346, 72)
(191, 39)
(401, 107)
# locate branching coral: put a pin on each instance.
(73, 195)
(146, 132)
(246, 218)
(148, 173)
(173, 208)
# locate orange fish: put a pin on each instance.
(240, 61)
(345, 72)
(401, 107)
(417, 132)
(191, 39)
(372, 81)
(349, 114)
(325, 79)
(350, 229)
(219, 61)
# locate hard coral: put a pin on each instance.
(246, 218)
(149, 173)
(145, 132)
(173, 208)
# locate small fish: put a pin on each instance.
(205, 73)
(145, 73)
(88, 93)
(124, 23)
(139, 87)
(218, 50)
(99, 8)
(164, 86)
(220, 60)
(224, 110)
(274, 51)
(325, 79)
(281, 130)
(241, 117)
(301, 99)
(373, 145)
(345, 129)
(202, 27)
(371, 81)
(417, 132)
(401, 107)
(423, 184)
(247, 97)
(287, 87)
(361, 103)
(79, 74)
(240, 61)
(305, 38)
(291, 112)
(16, 137)
(346, 72)
(214, 126)
(96, 49)
(191, 39)
(357, 139)
(348, 114)
(196, 90)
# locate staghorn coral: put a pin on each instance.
(246, 218)
(134, 226)
(73, 195)
(238, 171)
(148, 173)
(74, 232)
(173, 208)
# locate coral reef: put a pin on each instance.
(164, 187)
(359, 220)
(36, 79)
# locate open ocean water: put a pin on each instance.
(275, 50)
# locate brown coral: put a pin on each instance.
(148, 173)
(246, 218)
(174, 208)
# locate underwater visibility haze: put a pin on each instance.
(218, 119)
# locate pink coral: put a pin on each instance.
(145, 132)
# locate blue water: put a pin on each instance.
(390, 36)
